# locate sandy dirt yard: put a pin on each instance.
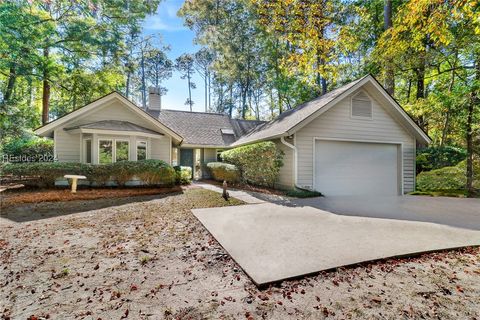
(149, 258)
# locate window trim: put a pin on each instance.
(146, 148)
(351, 106)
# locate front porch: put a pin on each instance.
(196, 158)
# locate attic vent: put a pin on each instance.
(227, 131)
(361, 106)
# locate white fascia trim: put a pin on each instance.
(327, 107)
(55, 123)
(91, 106)
(402, 112)
(277, 136)
(199, 146)
(148, 117)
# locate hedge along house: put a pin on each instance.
(354, 140)
(113, 129)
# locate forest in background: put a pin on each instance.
(258, 58)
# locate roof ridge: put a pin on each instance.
(200, 112)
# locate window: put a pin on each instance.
(121, 150)
(141, 150)
(105, 151)
(88, 151)
(361, 106)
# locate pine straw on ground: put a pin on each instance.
(247, 187)
(154, 260)
(21, 196)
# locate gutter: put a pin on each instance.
(294, 148)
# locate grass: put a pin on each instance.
(443, 193)
(297, 193)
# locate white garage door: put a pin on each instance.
(356, 168)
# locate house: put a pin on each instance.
(354, 140)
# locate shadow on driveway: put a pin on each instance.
(454, 212)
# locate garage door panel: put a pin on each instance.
(356, 168)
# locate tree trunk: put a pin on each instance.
(447, 114)
(127, 85)
(189, 91)
(144, 89)
(12, 77)
(475, 101)
(46, 89)
(205, 82)
(209, 93)
(389, 70)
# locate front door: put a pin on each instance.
(186, 158)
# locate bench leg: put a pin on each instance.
(74, 185)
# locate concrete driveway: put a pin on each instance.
(273, 242)
(456, 212)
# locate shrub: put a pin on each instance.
(183, 175)
(121, 172)
(448, 178)
(155, 172)
(259, 163)
(224, 172)
(34, 148)
(438, 157)
(298, 193)
(43, 174)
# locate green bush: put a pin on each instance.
(155, 172)
(183, 175)
(259, 163)
(221, 171)
(438, 157)
(32, 148)
(44, 174)
(448, 178)
(297, 193)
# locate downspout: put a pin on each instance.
(294, 148)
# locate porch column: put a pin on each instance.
(95, 148)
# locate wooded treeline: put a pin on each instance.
(56, 56)
(258, 57)
(271, 55)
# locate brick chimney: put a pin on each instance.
(154, 100)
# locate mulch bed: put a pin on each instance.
(247, 187)
(21, 196)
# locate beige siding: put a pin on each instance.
(112, 111)
(160, 149)
(67, 146)
(286, 179)
(210, 155)
(337, 123)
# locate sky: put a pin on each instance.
(165, 24)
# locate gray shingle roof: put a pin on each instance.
(114, 125)
(291, 118)
(202, 128)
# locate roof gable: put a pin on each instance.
(293, 120)
(92, 107)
